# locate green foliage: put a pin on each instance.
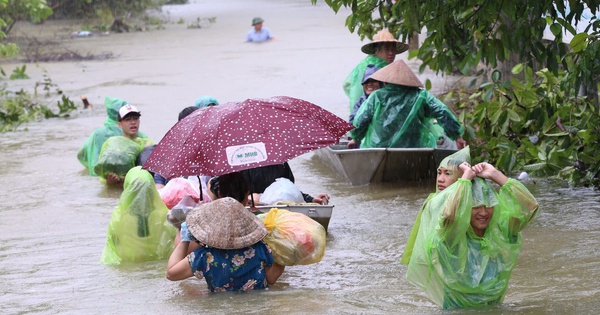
(202, 22)
(524, 119)
(12, 11)
(120, 9)
(176, 2)
(462, 34)
(19, 73)
(534, 124)
(17, 108)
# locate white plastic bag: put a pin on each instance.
(281, 190)
(177, 215)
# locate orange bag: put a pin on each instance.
(294, 238)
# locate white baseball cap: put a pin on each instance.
(127, 109)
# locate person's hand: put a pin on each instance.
(460, 143)
(113, 179)
(467, 171)
(184, 234)
(488, 171)
(256, 198)
(353, 144)
(484, 170)
(322, 199)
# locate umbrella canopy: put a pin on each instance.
(236, 136)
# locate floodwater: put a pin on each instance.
(53, 216)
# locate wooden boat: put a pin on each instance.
(364, 166)
(319, 213)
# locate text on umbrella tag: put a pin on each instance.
(246, 153)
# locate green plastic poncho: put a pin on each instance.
(90, 150)
(397, 116)
(451, 162)
(353, 84)
(118, 155)
(455, 267)
(138, 228)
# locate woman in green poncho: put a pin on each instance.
(400, 114)
(469, 238)
(380, 52)
(138, 228)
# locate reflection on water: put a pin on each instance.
(54, 217)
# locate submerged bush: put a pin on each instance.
(17, 108)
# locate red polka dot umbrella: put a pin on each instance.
(235, 136)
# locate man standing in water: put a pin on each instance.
(129, 122)
(258, 33)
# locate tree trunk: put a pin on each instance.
(119, 26)
(413, 42)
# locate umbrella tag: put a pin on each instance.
(246, 153)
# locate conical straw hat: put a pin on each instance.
(384, 36)
(226, 224)
(398, 73)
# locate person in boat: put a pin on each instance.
(206, 101)
(369, 86)
(90, 150)
(380, 52)
(258, 33)
(231, 254)
(400, 114)
(259, 178)
(138, 230)
(469, 238)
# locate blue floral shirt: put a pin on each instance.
(232, 269)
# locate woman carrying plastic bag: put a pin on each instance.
(294, 238)
(469, 239)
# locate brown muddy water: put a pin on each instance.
(53, 217)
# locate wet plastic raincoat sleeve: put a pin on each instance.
(444, 116)
(455, 267)
(364, 116)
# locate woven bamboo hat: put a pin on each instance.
(226, 224)
(384, 36)
(398, 73)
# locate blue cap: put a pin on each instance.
(205, 101)
(369, 71)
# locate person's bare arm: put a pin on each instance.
(178, 267)
(274, 272)
(452, 205)
(488, 171)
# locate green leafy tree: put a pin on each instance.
(12, 11)
(524, 111)
(461, 34)
(120, 10)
